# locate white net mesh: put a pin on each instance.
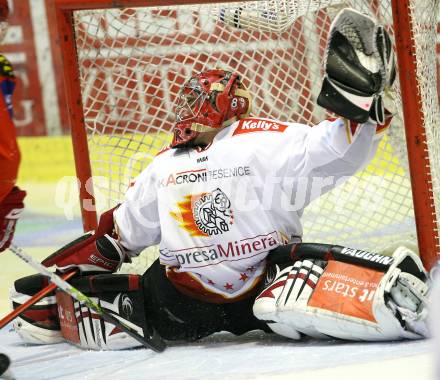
(427, 34)
(133, 62)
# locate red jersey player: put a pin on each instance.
(11, 197)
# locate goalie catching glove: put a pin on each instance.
(333, 291)
(92, 252)
(359, 69)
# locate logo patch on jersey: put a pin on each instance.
(202, 159)
(205, 214)
(258, 125)
(202, 175)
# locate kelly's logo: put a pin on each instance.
(258, 125)
(205, 214)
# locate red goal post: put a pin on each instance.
(416, 136)
(423, 162)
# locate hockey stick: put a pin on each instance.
(34, 299)
(154, 341)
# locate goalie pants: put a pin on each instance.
(179, 317)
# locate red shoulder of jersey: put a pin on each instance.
(251, 125)
(163, 150)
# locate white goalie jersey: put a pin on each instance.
(217, 212)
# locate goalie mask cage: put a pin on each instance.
(124, 62)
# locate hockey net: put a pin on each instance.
(133, 60)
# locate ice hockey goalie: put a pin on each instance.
(224, 202)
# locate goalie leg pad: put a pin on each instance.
(39, 324)
(265, 304)
(294, 282)
(349, 301)
(86, 329)
(403, 292)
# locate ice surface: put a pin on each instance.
(220, 357)
(223, 357)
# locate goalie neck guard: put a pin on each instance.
(209, 101)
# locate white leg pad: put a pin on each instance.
(32, 334)
(348, 301)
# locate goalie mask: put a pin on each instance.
(209, 101)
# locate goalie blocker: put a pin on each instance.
(314, 289)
